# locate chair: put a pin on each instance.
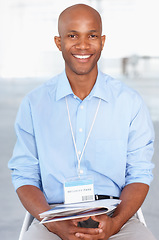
(29, 218)
(26, 223)
(140, 216)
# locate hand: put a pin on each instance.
(64, 229)
(67, 230)
(106, 229)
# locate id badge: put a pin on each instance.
(79, 190)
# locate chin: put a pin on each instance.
(82, 71)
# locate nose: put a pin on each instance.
(83, 43)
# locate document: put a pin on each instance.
(78, 210)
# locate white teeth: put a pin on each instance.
(82, 56)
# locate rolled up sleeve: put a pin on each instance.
(140, 146)
(24, 162)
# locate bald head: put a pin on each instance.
(78, 12)
(80, 40)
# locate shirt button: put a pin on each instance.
(74, 96)
(81, 107)
(81, 171)
(80, 130)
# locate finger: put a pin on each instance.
(75, 221)
(82, 236)
(81, 219)
(101, 219)
(89, 236)
(91, 231)
(95, 218)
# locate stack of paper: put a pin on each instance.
(79, 210)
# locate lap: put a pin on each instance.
(38, 231)
(132, 230)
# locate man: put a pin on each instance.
(83, 122)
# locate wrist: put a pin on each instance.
(50, 226)
(117, 224)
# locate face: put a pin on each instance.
(81, 42)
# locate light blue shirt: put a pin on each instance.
(119, 149)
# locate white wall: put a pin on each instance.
(27, 29)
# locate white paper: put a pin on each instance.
(78, 210)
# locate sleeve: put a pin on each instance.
(24, 162)
(140, 145)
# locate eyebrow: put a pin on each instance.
(90, 31)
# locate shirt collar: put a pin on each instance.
(100, 89)
(63, 87)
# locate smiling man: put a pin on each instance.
(83, 124)
(81, 43)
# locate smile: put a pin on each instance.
(82, 56)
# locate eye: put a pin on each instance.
(73, 36)
(93, 36)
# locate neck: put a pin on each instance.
(82, 84)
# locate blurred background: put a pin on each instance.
(28, 57)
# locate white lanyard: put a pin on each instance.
(79, 159)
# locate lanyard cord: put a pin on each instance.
(79, 159)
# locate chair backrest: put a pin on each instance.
(140, 216)
(26, 223)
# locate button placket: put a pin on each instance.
(80, 140)
(80, 129)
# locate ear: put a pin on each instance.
(58, 42)
(103, 41)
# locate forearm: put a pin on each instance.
(33, 200)
(132, 198)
